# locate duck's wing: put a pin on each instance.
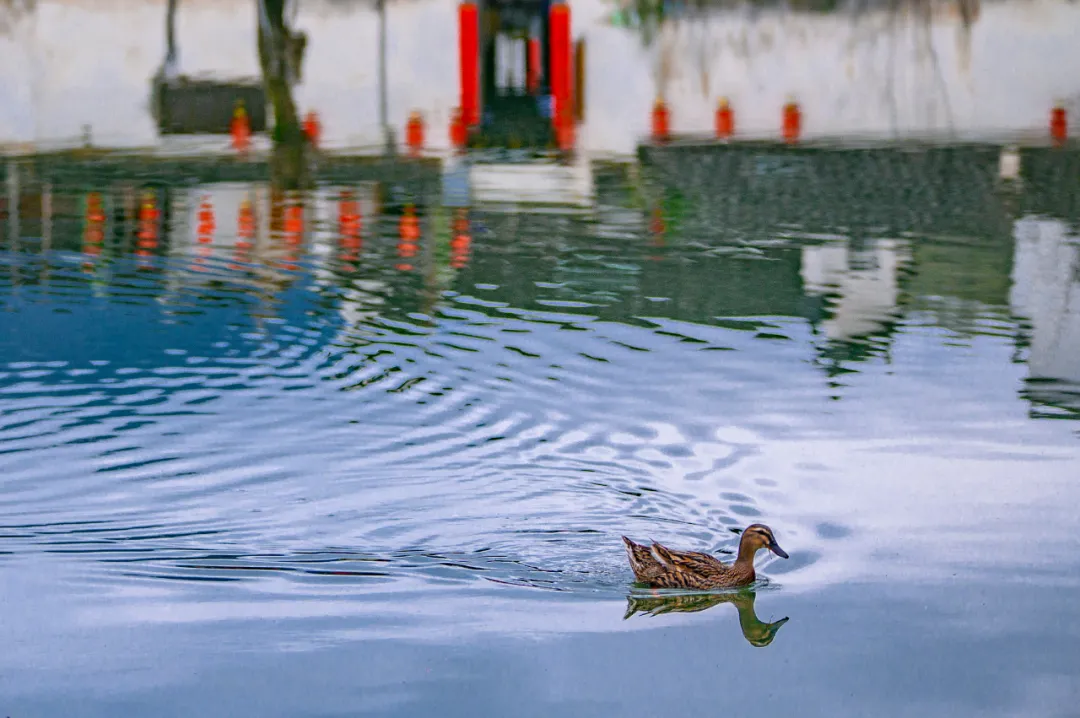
(693, 562)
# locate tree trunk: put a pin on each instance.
(280, 55)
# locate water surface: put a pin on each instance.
(321, 471)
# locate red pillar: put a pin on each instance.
(414, 132)
(534, 62)
(1059, 124)
(661, 121)
(469, 47)
(725, 119)
(792, 121)
(559, 41)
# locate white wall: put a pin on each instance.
(341, 69)
(71, 63)
(871, 76)
(16, 77)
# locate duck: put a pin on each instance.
(657, 566)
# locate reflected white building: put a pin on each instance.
(1046, 291)
(225, 232)
(864, 284)
(507, 185)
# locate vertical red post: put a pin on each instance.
(792, 121)
(414, 132)
(559, 43)
(725, 119)
(313, 127)
(1059, 126)
(459, 133)
(469, 47)
(661, 121)
(534, 61)
(241, 127)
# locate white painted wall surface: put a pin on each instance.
(103, 53)
(872, 76)
(70, 63)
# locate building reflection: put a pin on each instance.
(850, 245)
(862, 279)
(1046, 292)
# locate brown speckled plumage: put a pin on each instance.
(661, 567)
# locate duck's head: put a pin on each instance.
(762, 634)
(758, 536)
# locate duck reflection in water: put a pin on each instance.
(755, 631)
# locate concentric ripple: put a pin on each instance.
(505, 417)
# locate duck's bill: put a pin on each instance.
(775, 548)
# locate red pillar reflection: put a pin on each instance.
(461, 240)
(245, 233)
(147, 235)
(93, 229)
(408, 237)
(350, 223)
(206, 223)
(204, 234)
(293, 232)
(245, 226)
(657, 228)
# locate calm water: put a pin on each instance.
(321, 471)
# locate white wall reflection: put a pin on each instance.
(864, 283)
(1046, 290)
(244, 234)
(533, 183)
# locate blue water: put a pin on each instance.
(292, 481)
